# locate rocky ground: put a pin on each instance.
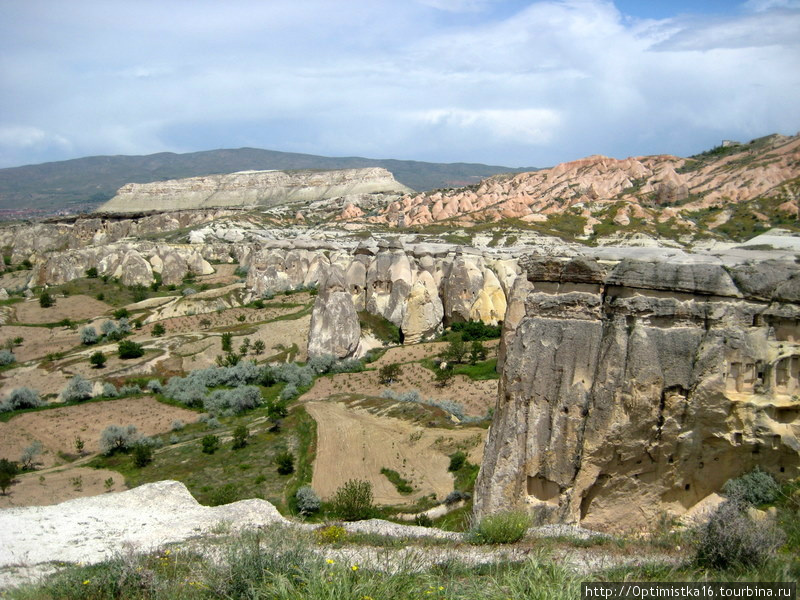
(38, 540)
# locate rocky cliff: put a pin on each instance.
(636, 387)
(250, 189)
(599, 194)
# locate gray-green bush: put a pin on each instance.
(307, 501)
(732, 539)
(89, 335)
(116, 438)
(756, 487)
(7, 358)
(77, 389)
(23, 397)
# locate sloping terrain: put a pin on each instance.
(736, 190)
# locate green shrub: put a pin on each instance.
(142, 454)
(457, 461)
(353, 501)
(88, 335)
(476, 330)
(159, 330)
(98, 359)
(240, 435)
(46, 300)
(129, 349)
(285, 462)
(732, 539)
(8, 471)
(227, 341)
(210, 443)
(756, 487)
(504, 527)
(400, 483)
(91, 272)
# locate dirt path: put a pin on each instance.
(352, 443)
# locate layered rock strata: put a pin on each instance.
(250, 189)
(640, 387)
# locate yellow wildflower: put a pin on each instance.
(329, 561)
(86, 582)
(354, 567)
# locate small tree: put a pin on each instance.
(18, 341)
(79, 444)
(353, 501)
(444, 375)
(91, 272)
(258, 347)
(388, 374)
(98, 360)
(29, 455)
(227, 341)
(477, 351)
(240, 435)
(8, 471)
(158, 330)
(130, 349)
(46, 300)
(456, 350)
(116, 438)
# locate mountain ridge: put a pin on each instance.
(82, 183)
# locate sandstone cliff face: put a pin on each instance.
(335, 329)
(249, 189)
(641, 387)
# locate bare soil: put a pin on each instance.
(76, 308)
(40, 341)
(353, 443)
(51, 487)
(57, 428)
(475, 396)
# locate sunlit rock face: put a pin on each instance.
(640, 387)
(250, 188)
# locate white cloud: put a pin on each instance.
(553, 81)
(764, 5)
(523, 126)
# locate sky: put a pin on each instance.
(504, 82)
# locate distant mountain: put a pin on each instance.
(83, 183)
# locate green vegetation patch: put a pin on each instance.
(398, 481)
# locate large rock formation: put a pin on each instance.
(639, 388)
(335, 329)
(249, 189)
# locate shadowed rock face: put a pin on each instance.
(639, 388)
(250, 188)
